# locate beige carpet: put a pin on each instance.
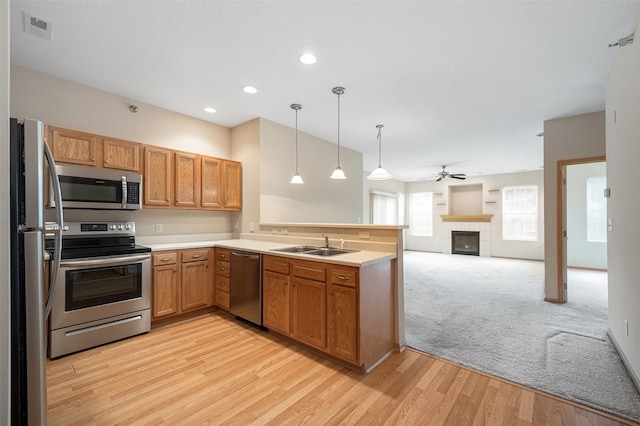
(489, 314)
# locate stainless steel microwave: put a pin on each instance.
(98, 189)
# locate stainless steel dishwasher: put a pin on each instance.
(245, 295)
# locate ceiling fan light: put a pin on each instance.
(338, 174)
(379, 174)
(296, 179)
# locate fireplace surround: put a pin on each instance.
(465, 242)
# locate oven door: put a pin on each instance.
(98, 288)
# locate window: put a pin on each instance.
(384, 208)
(520, 213)
(596, 210)
(421, 214)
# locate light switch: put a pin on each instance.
(609, 225)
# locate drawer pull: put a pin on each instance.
(342, 277)
(331, 292)
(221, 268)
(285, 282)
(175, 270)
(223, 255)
(195, 256)
(222, 284)
(221, 299)
(165, 259)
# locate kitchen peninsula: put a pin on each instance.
(346, 306)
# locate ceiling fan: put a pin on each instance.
(445, 174)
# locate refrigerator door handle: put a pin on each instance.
(57, 229)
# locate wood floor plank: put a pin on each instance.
(213, 369)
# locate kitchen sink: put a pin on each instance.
(316, 251)
(297, 249)
(329, 251)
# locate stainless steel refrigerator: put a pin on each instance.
(29, 309)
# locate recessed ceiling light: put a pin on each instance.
(249, 89)
(308, 58)
(210, 110)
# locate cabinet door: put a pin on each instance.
(196, 285)
(74, 147)
(275, 301)
(342, 321)
(121, 155)
(165, 291)
(232, 185)
(157, 176)
(186, 179)
(309, 323)
(211, 182)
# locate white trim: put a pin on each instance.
(624, 359)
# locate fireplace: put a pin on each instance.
(465, 242)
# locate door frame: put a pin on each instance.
(561, 214)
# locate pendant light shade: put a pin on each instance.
(338, 173)
(379, 173)
(296, 179)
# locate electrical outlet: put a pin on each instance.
(285, 231)
(363, 235)
(252, 227)
(626, 327)
(158, 227)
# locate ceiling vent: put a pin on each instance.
(37, 27)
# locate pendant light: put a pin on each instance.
(379, 173)
(338, 173)
(296, 179)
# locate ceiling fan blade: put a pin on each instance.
(461, 177)
(439, 179)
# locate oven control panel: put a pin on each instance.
(100, 228)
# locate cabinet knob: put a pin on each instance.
(175, 270)
(106, 161)
(223, 255)
(285, 282)
(93, 159)
(222, 284)
(221, 268)
(331, 292)
(293, 284)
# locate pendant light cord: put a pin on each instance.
(339, 130)
(379, 126)
(296, 140)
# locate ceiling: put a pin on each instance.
(466, 84)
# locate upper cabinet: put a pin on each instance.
(86, 149)
(181, 180)
(121, 155)
(69, 146)
(232, 185)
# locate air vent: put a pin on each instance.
(37, 27)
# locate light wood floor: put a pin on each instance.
(212, 369)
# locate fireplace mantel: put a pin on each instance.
(466, 217)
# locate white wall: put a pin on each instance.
(580, 136)
(5, 248)
(580, 252)
(65, 104)
(390, 186)
(499, 247)
(623, 154)
(245, 145)
(319, 199)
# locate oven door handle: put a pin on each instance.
(105, 261)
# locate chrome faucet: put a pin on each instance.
(326, 241)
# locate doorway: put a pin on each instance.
(585, 223)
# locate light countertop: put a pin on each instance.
(358, 258)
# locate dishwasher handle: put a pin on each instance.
(246, 255)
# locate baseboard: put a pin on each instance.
(624, 359)
(586, 268)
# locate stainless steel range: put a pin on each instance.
(104, 287)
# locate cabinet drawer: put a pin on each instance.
(222, 268)
(194, 255)
(310, 271)
(222, 254)
(346, 277)
(164, 258)
(222, 283)
(276, 264)
(222, 298)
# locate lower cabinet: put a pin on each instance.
(321, 305)
(182, 281)
(223, 283)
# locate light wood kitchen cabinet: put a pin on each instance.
(196, 279)
(73, 147)
(165, 286)
(182, 281)
(157, 176)
(232, 173)
(121, 155)
(186, 179)
(276, 310)
(222, 256)
(211, 182)
(342, 313)
(308, 303)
